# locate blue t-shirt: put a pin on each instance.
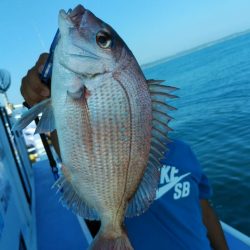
(174, 220)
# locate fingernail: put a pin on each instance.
(45, 93)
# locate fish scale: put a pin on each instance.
(114, 153)
(104, 134)
(141, 117)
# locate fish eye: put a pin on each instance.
(104, 40)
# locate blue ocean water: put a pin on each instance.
(213, 116)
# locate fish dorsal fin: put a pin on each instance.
(153, 81)
(159, 92)
(46, 123)
(146, 191)
(71, 200)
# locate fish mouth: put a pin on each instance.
(74, 17)
(85, 54)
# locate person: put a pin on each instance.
(181, 216)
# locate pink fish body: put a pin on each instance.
(111, 125)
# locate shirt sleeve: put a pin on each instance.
(181, 154)
(205, 191)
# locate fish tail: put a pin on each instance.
(111, 241)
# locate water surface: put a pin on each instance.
(213, 116)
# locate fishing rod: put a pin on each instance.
(45, 77)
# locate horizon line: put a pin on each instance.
(196, 48)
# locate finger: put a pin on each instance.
(30, 96)
(34, 82)
(41, 60)
(34, 99)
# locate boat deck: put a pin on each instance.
(235, 239)
(59, 229)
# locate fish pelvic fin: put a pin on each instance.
(46, 123)
(109, 240)
(71, 199)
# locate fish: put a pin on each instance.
(112, 126)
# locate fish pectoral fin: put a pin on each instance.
(82, 92)
(47, 121)
(71, 199)
(31, 115)
(76, 94)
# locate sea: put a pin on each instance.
(213, 117)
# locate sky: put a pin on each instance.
(152, 29)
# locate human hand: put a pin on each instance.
(32, 88)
